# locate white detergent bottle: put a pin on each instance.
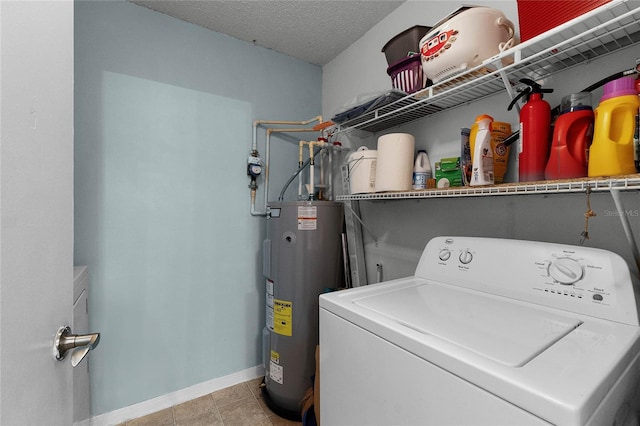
(421, 170)
(482, 164)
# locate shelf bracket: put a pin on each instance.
(509, 88)
(355, 245)
(357, 217)
(615, 194)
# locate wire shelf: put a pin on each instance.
(604, 30)
(629, 182)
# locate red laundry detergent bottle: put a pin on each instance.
(572, 136)
(535, 126)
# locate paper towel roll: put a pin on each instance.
(362, 170)
(394, 168)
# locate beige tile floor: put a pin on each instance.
(239, 405)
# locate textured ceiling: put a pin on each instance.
(314, 31)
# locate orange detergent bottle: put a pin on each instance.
(474, 131)
(499, 131)
(611, 152)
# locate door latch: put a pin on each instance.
(81, 344)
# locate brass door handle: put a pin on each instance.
(81, 344)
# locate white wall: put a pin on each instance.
(36, 214)
(404, 227)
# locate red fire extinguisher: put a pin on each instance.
(535, 127)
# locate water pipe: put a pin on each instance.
(254, 212)
(293, 176)
(255, 154)
(256, 123)
(301, 147)
(311, 144)
(311, 188)
(323, 184)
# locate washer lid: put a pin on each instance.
(509, 332)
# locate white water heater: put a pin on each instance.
(302, 259)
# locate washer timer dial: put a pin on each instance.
(565, 270)
(465, 256)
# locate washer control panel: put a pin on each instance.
(584, 280)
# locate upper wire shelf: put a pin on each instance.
(604, 30)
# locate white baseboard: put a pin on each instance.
(169, 400)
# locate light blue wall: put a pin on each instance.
(163, 120)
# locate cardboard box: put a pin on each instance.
(448, 172)
(556, 12)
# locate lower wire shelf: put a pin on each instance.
(600, 184)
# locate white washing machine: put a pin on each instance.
(487, 331)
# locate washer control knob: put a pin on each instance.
(466, 256)
(444, 254)
(565, 270)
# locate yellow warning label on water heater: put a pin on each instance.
(282, 317)
(276, 371)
